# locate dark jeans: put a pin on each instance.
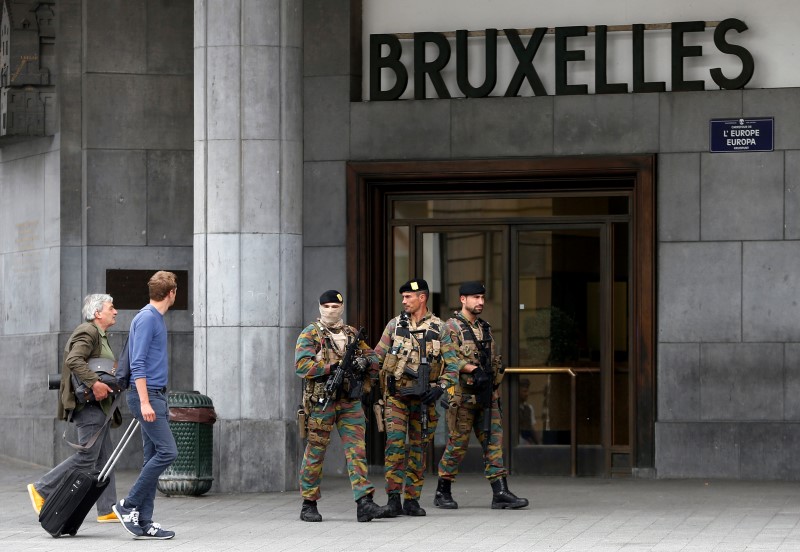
(87, 421)
(159, 452)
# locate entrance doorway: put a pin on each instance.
(565, 297)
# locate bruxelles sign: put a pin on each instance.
(527, 71)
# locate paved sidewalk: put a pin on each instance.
(565, 515)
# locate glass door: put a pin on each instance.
(550, 291)
(447, 257)
(557, 401)
(558, 302)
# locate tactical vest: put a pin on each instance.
(469, 350)
(329, 353)
(404, 359)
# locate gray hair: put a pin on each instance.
(93, 303)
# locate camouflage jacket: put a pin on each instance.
(465, 346)
(308, 361)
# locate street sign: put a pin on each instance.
(737, 135)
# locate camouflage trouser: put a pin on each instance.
(469, 418)
(349, 418)
(402, 417)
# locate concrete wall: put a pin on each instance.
(114, 189)
(728, 283)
(29, 295)
(137, 154)
(728, 338)
(248, 235)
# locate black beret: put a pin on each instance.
(416, 284)
(330, 296)
(472, 288)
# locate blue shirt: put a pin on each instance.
(147, 347)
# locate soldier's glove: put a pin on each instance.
(360, 365)
(331, 368)
(480, 377)
(431, 395)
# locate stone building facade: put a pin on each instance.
(215, 137)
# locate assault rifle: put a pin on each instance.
(423, 375)
(334, 384)
(484, 392)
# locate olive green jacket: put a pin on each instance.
(83, 344)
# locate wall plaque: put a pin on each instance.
(129, 288)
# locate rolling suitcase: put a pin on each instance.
(66, 508)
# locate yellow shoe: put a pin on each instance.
(37, 500)
(108, 518)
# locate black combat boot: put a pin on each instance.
(503, 498)
(412, 508)
(443, 497)
(394, 506)
(309, 511)
(367, 510)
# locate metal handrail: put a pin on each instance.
(573, 410)
(548, 370)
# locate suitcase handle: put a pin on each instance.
(123, 442)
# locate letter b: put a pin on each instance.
(391, 61)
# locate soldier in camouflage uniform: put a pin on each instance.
(418, 364)
(320, 348)
(472, 338)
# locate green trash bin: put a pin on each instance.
(191, 417)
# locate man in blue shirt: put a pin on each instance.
(147, 350)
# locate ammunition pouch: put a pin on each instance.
(414, 387)
(377, 408)
(463, 420)
(313, 393)
(437, 367)
(386, 374)
(319, 433)
(498, 371)
(453, 398)
(302, 422)
(352, 387)
(461, 407)
(410, 384)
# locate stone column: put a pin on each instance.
(248, 234)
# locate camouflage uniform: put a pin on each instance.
(316, 350)
(403, 415)
(469, 416)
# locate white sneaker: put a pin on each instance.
(154, 531)
(129, 518)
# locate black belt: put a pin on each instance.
(161, 390)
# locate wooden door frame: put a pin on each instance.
(368, 184)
